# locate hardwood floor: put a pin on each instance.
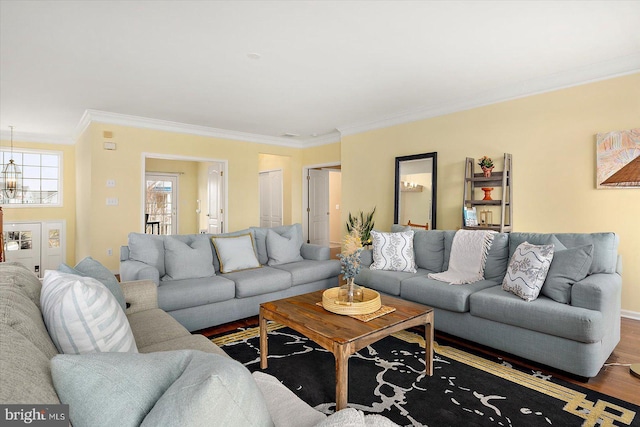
(613, 380)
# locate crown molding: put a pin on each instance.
(97, 116)
(36, 137)
(576, 77)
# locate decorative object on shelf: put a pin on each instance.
(363, 224)
(350, 263)
(487, 166)
(370, 302)
(486, 218)
(487, 193)
(470, 217)
(11, 172)
(618, 159)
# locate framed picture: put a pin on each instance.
(618, 159)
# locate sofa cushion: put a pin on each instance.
(82, 316)
(166, 388)
(542, 315)
(25, 377)
(283, 248)
(147, 248)
(192, 342)
(436, 293)
(310, 271)
(260, 234)
(177, 294)
(527, 270)
(235, 253)
(188, 260)
(568, 267)
(154, 326)
(259, 281)
(497, 258)
(428, 246)
(386, 281)
(393, 251)
(92, 268)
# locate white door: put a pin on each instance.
(215, 214)
(161, 206)
(22, 244)
(271, 198)
(318, 207)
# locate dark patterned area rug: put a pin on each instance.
(388, 378)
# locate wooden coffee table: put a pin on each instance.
(344, 335)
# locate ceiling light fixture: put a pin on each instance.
(11, 172)
(254, 55)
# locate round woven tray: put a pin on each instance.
(370, 304)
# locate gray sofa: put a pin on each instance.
(576, 337)
(199, 302)
(26, 350)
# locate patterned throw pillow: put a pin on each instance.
(527, 270)
(82, 316)
(393, 251)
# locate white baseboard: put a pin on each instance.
(630, 314)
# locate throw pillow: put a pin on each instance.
(527, 270)
(92, 268)
(177, 388)
(568, 267)
(147, 248)
(283, 248)
(82, 316)
(188, 260)
(260, 235)
(393, 251)
(235, 253)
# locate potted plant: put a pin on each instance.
(486, 164)
(363, 224)
(351, 264)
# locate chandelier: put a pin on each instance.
(10, 173)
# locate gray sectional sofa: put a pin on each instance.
(199, 296)
(577, 336)
(27, 350)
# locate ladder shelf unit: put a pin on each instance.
(499, 180)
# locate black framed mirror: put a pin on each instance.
(416, 190)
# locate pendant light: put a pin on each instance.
(11, 172)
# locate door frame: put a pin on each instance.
(148, 155)
(305, 195)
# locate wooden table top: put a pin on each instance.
(302, 311)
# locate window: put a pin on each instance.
(40, 180)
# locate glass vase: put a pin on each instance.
(350, 292)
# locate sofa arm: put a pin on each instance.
(140, 295)
(137, 270)
(601, 292)
(315, 252)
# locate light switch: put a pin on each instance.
(112, 201)
(337, 207)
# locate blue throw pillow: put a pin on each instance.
(91, 268)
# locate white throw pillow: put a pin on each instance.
(83, 316)
(393, 251)
(527, 270)
(235, 253)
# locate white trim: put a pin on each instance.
(630, 314)
(225, 165)
(305, 195)
(593, 73)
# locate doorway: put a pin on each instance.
(39, 246)
(161, 211)
(322, 194)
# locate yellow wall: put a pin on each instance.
(552, 139)
(107, 226)
(187, 172)
(67, 210)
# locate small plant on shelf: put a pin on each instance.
(487, 165)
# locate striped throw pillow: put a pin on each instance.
(82, 315)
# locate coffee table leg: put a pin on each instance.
(342, 376)
(428, 346)
(263, 341)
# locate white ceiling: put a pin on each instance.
(325, 67)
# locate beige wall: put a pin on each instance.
(67, 211)
(187, 173)
(552, 139)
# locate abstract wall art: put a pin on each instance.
(618, 159)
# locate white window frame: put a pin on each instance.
(60, 174)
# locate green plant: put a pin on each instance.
(485, 162)
(362, 224)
